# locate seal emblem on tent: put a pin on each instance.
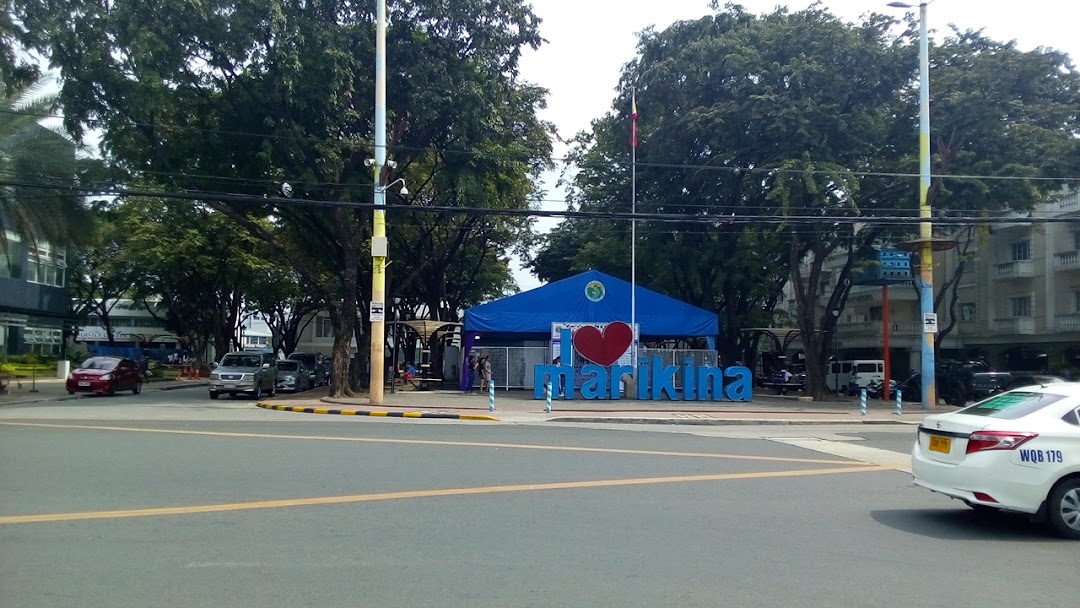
(594, 291)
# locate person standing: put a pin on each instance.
(485, 368)
(562, 384)
(470, 374)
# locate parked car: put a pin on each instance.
(950, 389)
(105, 375)
(313, 363)
(1021, 380)
(984, 384)
(250, 372)
(292, 376)
(1016, 451)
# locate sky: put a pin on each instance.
(590, 40)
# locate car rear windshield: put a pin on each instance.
(866, 367)
(1012, 405)
(304, 358)
(288, 366)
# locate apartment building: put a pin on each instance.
(1018, 304)
(34, 300)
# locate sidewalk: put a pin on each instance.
(30, 390)
(519, 406)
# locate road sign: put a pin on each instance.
(929, 323)
(377, 312)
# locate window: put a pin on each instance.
(46, 265)
(1020, 306)
(968, 311)
(323, 329)
(42, 340)
(1021, 251)
(1076, 240)
(875, 313)
(1076, 300)
(1013, 405)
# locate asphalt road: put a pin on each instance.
(167, 500)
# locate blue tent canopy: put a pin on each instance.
(590, 297)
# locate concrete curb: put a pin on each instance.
(719, 421)
(324, 410)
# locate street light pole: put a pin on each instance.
(378, 239)
(926, 237)
(926, 265)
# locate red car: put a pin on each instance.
(105, 375)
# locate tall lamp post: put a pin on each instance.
(925, 243)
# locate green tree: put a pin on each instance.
(37, 164)
(98, 274)
(278, 296)
(255, 93)
(17, 68)
(1007, 119)
(194, 266)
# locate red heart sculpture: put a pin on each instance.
(603, 347)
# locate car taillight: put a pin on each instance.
(982, 441)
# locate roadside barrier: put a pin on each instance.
(547, 396)
(491, 395)
(862, 401)
(899, 402)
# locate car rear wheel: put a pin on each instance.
(138, 388)
(214, 394)
(1063, 508)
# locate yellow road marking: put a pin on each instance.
(336, 500)
(475, 444)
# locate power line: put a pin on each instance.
(707, 219)
(566, 159)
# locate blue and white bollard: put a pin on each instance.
(862, 401)
(491, 395)
(547, 395)
(899, 403)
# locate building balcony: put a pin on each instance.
(1024, 326)
(1069, 202)
(873, 328)
(1069, 322)
(1018, 269)
(1067, 260)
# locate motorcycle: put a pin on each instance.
(876, 389)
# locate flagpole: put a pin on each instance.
(633, 236)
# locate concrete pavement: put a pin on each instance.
(519, 406)
(32, 390)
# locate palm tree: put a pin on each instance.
(37, 165)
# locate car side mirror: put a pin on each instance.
(213, 365)
(266, 366)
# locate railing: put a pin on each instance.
(1016, 325)
(873, 328)
(1067, 260)
(512, 367)
(1069, 201)
(1069, 322)
(1015, 269)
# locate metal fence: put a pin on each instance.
(512, 367)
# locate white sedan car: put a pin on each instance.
(1016, 451)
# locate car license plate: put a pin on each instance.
(940, 444)
(84, 384)
(230, 385)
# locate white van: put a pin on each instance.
(851, 376)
